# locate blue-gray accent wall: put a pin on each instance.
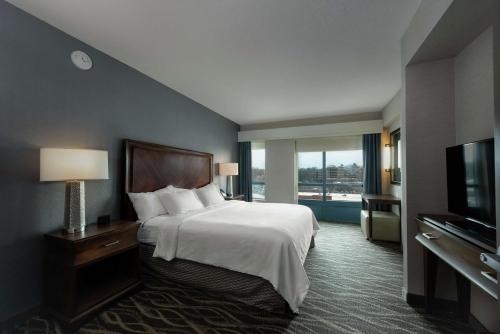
(45, 101)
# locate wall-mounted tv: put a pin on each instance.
(471, 183)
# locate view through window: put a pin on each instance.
(330, 176)
(310, 175)
(258, 172)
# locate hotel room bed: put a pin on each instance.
(229, 284)
(251, 252)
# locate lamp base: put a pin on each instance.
(74, 210)
(74, 230)
(229, 186)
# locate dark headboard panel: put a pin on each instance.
(149, 167)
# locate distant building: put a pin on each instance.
(339, 180)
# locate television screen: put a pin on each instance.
(471, 181)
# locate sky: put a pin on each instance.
(314, 159)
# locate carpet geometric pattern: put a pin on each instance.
(355, 288)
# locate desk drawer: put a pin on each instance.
(95, 248)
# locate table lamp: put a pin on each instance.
(228, 169)
(73, 166)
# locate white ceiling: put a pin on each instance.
(250, 60)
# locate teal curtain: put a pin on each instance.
(372, 178)
(245, 172)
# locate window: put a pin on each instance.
(330, 175)
(344, 175)
(258, 171)
(310, 175)
(396, 157)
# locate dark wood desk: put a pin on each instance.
(372, 200)
(443, 243)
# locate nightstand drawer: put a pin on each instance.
(92, 249)
(87, 270)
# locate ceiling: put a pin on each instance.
(250, 61)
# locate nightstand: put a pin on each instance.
(85, 271)
(239, 197)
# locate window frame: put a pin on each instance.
(323, 184)
(263, 183)
(395, 177)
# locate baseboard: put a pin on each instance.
(444, 305)
(19, 318)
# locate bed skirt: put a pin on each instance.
(233, 285)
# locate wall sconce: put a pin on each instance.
(386, 159)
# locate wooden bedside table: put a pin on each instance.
(239, 197)
(85, 271)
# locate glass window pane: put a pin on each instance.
(310, 175)
(344, 175)
(258, 174)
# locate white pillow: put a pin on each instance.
(175, 189)
(168, 189)
(146, 205)
(180, 202)
(210, 195)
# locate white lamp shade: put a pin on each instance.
(59, 164)
(228, 169)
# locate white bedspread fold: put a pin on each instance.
(268, 240)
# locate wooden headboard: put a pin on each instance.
(149, 167)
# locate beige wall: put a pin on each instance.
(425, 19)
(391, 114)
(474, 120)
(446, 102)
(474, 105)
(430, 128)
(391, 117)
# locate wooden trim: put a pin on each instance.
(149, 166)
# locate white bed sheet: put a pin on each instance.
(263, 239)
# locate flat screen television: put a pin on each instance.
(471, 187)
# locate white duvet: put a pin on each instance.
(263, 239)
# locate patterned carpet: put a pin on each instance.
(355, 288)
